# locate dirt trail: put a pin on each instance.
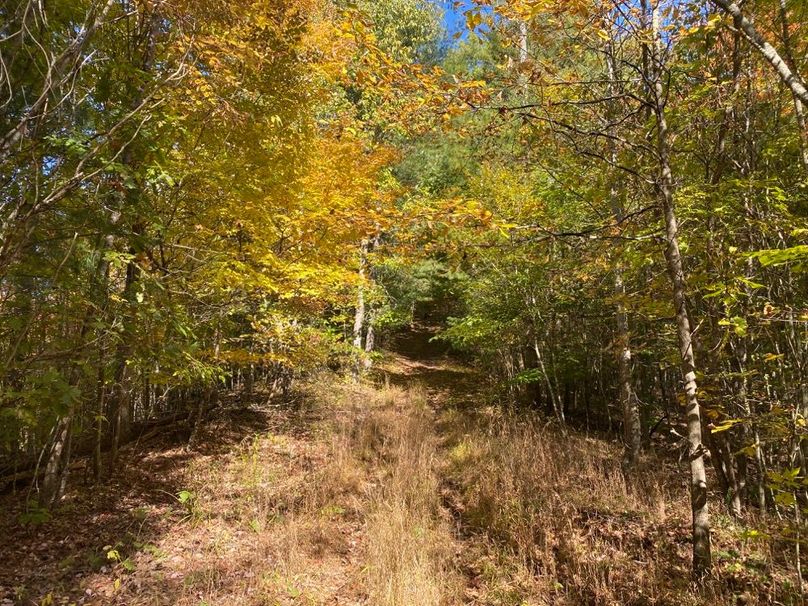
(455, 392)
(417, 359)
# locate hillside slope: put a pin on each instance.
(411, 490)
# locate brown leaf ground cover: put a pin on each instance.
(412, 490)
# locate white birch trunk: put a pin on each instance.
(665, 188)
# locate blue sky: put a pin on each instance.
(453, 17)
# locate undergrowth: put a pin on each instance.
(554, 521)
(394, 496)
(337, 503)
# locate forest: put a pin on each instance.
(403, 302)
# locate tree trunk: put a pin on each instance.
(120, 405)
(101, 399)
(359, 314)
(665, 189)
(769, 53)
(799, 110)
(632, 430)
(370, 342)
(249, 381)
(558, 411)
(53, 480)
(207, 400)
(523, 49)
(121, 400)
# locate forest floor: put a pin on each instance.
(408, 491)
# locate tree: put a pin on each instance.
(767, 51)
(665, 187)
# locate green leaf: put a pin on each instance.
(786, 499)
(782, 256)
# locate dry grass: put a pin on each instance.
(337, 505)
(555, 522)
(409, 543)
(363, 496)
(278, 520)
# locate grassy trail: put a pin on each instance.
(334, 499)
(406, 491)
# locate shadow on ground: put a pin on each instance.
(55, 554)
(420, 358)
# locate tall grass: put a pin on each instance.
(564, 526)
(408, 540)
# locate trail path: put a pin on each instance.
(252, 531)
(410, 490)
(419, 360)
(455, 392)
